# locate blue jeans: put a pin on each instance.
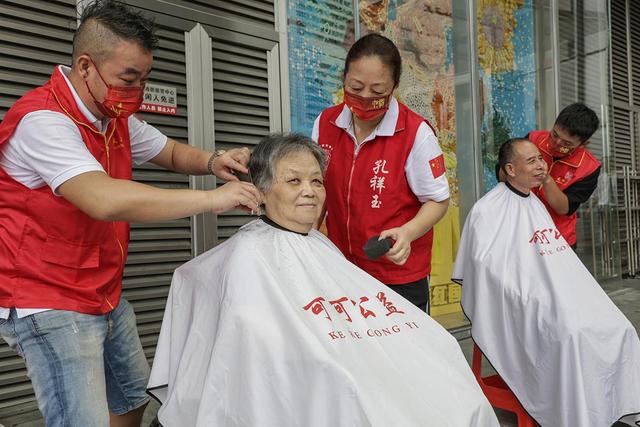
(81, 366)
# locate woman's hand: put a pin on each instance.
(401, 249)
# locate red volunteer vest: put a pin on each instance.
(369, 193)
(52, 255)
(565, 171)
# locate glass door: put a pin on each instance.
(584, 61)
(515, 59)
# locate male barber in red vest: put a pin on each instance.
(573, 170)
(66, 196)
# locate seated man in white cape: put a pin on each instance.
(274, 327)
(566, 351)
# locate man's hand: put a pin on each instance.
(548, 179)
(235, 195)
(554, 196)
(109, 199)
(401, 249)
(234, 159)
(183, 158)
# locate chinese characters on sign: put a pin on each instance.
(160, 99)
(548, 236)
(377, 182)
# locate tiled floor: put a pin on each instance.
(624, 293)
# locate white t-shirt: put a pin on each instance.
(47, 149)
(417, 169)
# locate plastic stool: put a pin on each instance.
(498, 393)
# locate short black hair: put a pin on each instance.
(507, 152)
(578, 120)
(102, 21)
(376, 45)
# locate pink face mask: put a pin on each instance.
(120, 101)
(368, 108)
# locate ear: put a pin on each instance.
(510, 170)
(82, 65)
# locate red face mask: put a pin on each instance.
(366, 109)
(120, 101)
(560, 147)
(559, 150)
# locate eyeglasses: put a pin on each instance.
(565, 142)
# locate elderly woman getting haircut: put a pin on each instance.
(275, 327)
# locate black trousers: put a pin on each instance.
(416, 292)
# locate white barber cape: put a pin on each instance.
(275, 328)
(565, 350)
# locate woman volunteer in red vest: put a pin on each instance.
(386, 173)
(573, 170)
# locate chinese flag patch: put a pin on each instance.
(437, 166)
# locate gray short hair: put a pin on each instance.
(273, 148)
